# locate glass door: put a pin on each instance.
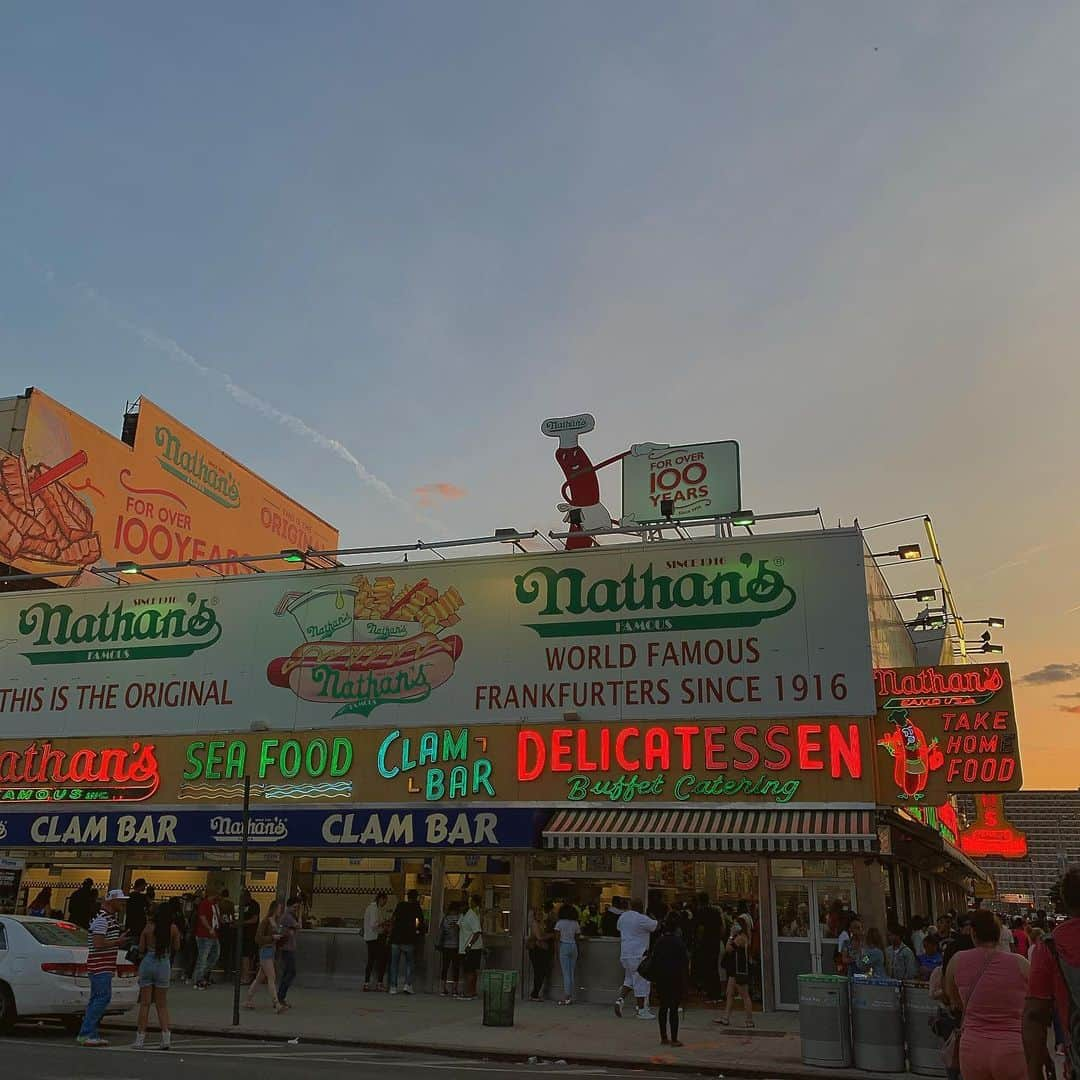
(795, 952)
(831, 900)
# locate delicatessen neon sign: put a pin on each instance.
(689, 761)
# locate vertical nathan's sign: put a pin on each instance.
(700, 480)
(945, 730)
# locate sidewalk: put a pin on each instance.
(581, 1033)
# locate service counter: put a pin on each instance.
(335, 957)
(598, 975)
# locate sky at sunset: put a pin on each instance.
(368, 247)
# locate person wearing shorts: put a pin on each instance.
(635, 929)
(470, 948)
(158, 943)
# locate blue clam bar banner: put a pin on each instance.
(339, 827)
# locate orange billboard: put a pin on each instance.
(73, 497)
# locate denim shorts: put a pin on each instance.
(155, 971)
(266, 952)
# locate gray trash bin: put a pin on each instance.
(877, 1024)
(825, 1020)
(924, 1047)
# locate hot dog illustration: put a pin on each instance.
(914, 758)
(369, 643)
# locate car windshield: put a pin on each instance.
(58, 933)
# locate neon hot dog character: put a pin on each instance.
(914, 757)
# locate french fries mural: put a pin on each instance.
(42, 519)
(369, 643)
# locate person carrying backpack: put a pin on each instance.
(1054, 986)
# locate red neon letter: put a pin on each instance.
(527, 738)
(714, 749)
(561, 750)
(686, 734)
(657, 749)
(626, 763)
(809, 745)
(783, 760)
(753, 755)
(583, 762)
(845, 752)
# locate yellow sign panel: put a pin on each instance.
(72, 496)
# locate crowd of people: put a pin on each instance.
(664, 950)
(1000, 984)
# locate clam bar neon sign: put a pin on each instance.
(689, 761)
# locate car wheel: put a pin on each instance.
(7, 1009)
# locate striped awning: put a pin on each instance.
(712, 830)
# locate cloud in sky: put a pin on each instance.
(1069, 695)
(1021, 558)
(427, 494)
(1074, 709)
(1051, 673)
(242, 396)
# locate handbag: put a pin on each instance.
(133, 956)
(950, 1052)
(646, 965)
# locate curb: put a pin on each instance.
(725, 1070)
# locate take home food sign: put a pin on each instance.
(750, 628)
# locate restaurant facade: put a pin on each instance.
(649, 720)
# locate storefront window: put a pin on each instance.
(63, 880)
(813, 868)
(336, 891)
(465, 876)
(590, 897)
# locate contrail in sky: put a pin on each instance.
(252, 401)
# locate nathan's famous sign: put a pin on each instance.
(73, 496)
(749, 629)
(819, 760)
(945, 730)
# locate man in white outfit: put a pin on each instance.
(634, 929)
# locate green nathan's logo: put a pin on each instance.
(192, 467)
(736, 596)
(118, 631)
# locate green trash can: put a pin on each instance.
(499, 990)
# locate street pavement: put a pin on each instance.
(583, 1035)
(45, 1053)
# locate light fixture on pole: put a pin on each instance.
(511, 537)
(905, 553)
(292, 555)
(923, 596)
(744, 518)
(993, 621)
(127, 567)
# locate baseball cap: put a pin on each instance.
(116, 894)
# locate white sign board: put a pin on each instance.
(746, 629)
(701, 480)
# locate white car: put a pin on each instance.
(43, 972)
